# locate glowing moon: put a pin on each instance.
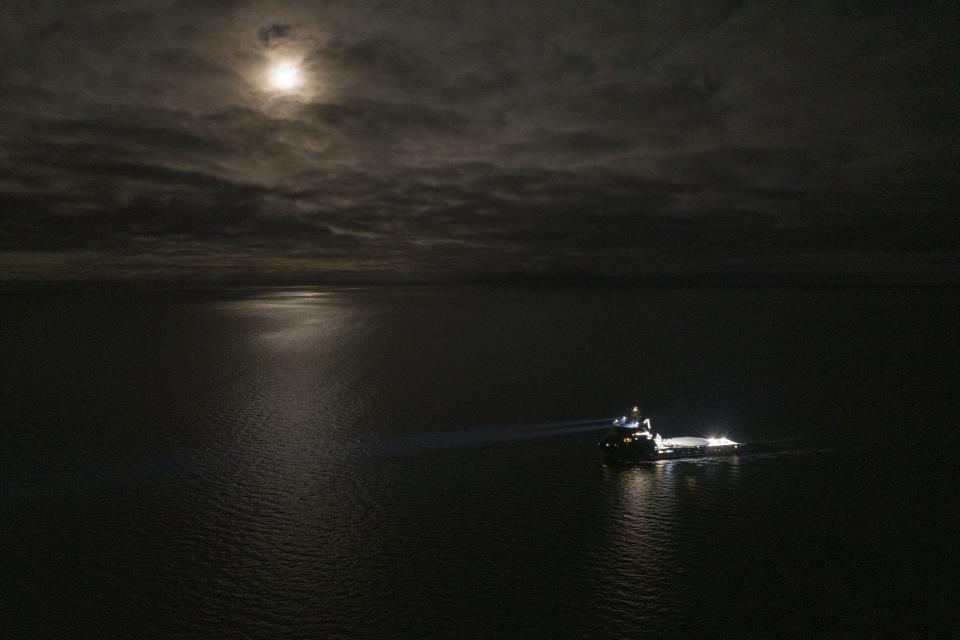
(285, 76)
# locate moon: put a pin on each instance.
(285, 76)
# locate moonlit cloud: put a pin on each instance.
(297, 141)
(270, 34)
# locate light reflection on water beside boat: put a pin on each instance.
(662, 521)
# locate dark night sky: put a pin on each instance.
(758, 141)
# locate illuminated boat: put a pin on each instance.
(632, 440)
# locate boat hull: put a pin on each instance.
(696, 452)
(624, 455)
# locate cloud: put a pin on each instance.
(269, 34)
(596, 138)
(370, 120)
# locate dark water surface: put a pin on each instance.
(421, 463)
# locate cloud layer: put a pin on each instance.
(450, 141)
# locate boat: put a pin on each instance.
(632, 440)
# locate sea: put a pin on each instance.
(422, 462)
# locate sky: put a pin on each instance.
(298, 142)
